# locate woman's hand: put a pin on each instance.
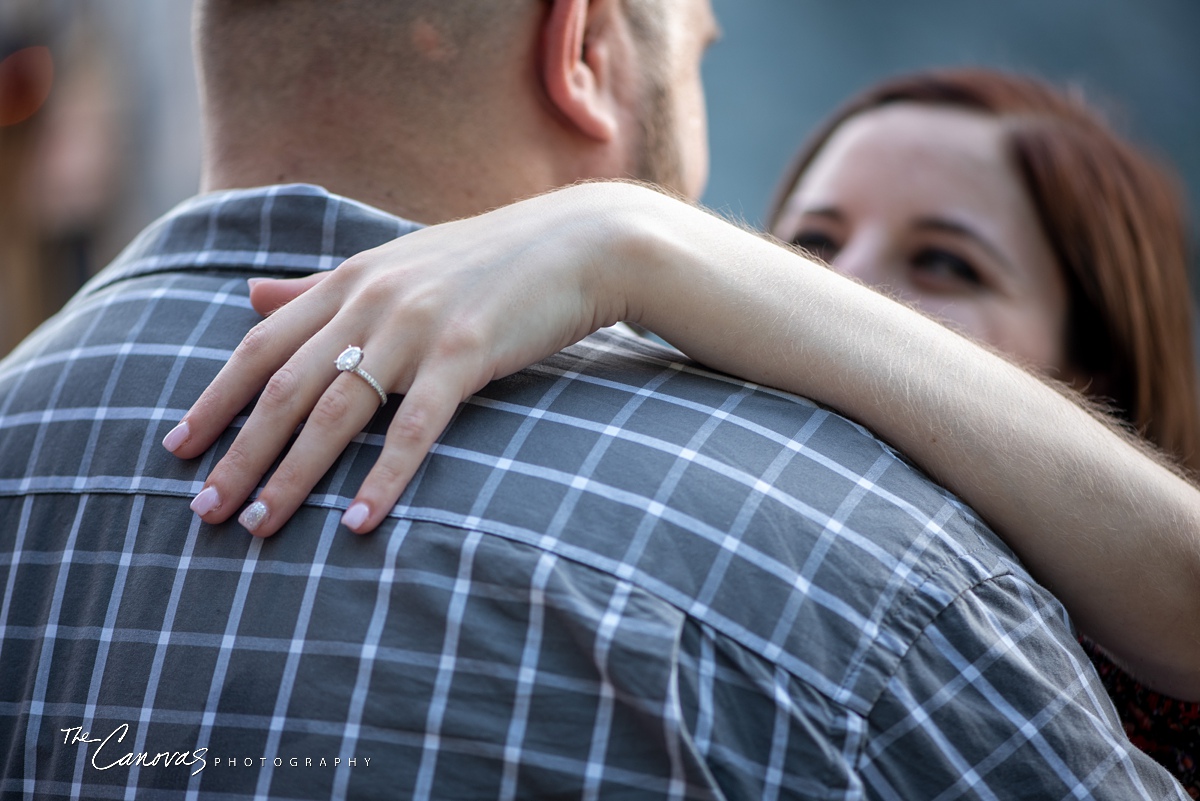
(437, 313)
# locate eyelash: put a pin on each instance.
(824, 247)
(960, 269)
(817, 245)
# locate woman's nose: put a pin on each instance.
(863, 260)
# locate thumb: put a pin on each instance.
(268, 294)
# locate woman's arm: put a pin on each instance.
(1096, 517)
(1095, 514)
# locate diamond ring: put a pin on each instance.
(348, 362)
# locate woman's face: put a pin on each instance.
(922, 202)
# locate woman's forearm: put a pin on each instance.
(1098, 519)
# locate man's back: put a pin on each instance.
(617, 574)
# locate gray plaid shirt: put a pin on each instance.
(617, 575)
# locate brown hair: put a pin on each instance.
(1116, 222)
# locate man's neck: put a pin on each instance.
(420, 181)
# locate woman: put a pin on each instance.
(1114, 222)
(970, 194)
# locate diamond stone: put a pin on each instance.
(350, 358)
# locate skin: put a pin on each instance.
(687, 118)
(921, 202)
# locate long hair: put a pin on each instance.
(1115, 221)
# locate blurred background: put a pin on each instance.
(99, 123)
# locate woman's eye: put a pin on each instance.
(817, 244)
(943, 266)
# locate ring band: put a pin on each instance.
(348, 362)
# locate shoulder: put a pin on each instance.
(784, 526)
(998, 696)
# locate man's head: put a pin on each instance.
(440, 108)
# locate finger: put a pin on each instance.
(268, 294)
(343, 411)
(288, 398)
(260, 354)
(419, 421)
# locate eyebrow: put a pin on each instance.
(823, 211)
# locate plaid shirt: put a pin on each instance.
(617, 575)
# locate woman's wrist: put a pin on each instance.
(624, 247)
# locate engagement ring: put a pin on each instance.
(348, 363)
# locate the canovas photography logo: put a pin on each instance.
(109, 751)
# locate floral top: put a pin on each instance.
(1164, 727)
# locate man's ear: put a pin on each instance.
(577, 65)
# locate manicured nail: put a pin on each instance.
(356, 515)
(206, 501)
(176, 436)
(253, 515)
(252, 281)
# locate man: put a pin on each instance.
(618, 575)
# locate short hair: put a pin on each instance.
(1115, 220)
(386, 48)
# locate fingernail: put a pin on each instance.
(356, 515)
(176, 436)
(206, 501)
(252, 281)
(253, 515)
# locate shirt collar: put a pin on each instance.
(281, 231)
